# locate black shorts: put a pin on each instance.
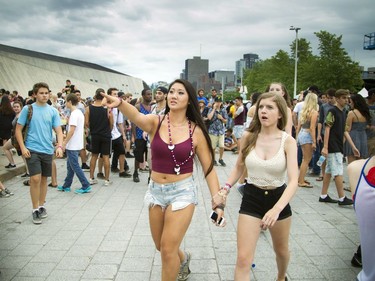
(256, 202)
(140, 150)
(100, 145)
(118, 146)
(40, 163)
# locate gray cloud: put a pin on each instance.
(152, 39)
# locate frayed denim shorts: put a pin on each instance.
(179, 194)
(304, 137)
(335, 165)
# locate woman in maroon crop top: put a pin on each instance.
(171, 196)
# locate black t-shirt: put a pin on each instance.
(336, 120)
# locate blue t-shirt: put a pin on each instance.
(39, 136)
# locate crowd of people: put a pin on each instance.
(271, 134)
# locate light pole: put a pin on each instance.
(295, 61)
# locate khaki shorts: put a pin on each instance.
(217, 141)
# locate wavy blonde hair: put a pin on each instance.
(310, 105)
(249, 142)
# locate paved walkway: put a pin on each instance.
(104, 235)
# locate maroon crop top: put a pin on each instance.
(161, 156)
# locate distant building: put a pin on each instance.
(240, 66)
(196, 71)
(248, 62)
(222, 76)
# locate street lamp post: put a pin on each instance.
(295, 61)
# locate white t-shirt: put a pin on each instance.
(118, 119)
(76, 119)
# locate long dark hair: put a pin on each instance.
(360, 104)
(6, 107)
(193, 113)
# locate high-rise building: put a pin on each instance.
(250, 60)
(196, 71)
(240, 66)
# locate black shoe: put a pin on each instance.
(128, 155)
(10, 166)
(124, 175)
(85, 167)
(346, 202)
(356, 261)
(215, 163)
(115, 170)
(25, 175)
(222, 163)
(135, 178)
(100, 176)
(327, 200)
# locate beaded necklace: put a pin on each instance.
(171, 147)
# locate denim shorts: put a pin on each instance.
(238, 131)
(304, 137)
(256, 202)
(335, 165)
(179, 194)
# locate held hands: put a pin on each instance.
(269, 219)
(219, 199)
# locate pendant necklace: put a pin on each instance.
(171, 147)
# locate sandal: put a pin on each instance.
(305, 184)
(26, 182)
(319, 179)
(51, 185)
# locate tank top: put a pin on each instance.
(240, 119)
(161, 157)
(139, 131)
(364, 204)
(99, 123)
(267, 173)
(306, 125)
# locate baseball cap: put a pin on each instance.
(162, 89)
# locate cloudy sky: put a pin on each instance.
(151, 39)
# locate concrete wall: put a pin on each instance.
(18, 72)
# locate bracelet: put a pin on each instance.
(59, 146)
(221, 207)
(226, 187)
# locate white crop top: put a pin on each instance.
(267, 173)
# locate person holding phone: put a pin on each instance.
(176, 138)
(269, 154)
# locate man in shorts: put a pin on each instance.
(38, 147)
(334, 148)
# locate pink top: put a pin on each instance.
(161, 156)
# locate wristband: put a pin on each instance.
(59, 146)
(221, 207)
(226, 187)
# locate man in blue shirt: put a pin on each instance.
(38, 147)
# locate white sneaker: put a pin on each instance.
(93, 181)
(107, 182)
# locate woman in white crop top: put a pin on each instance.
(268, 154)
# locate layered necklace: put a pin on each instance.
(171, 147)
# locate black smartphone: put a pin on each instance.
(214, 218)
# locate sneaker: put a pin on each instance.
(215, 163)
(356, 260)
(107, 182)
(129, 155)
(65, 189)
(115, 170)
(26, 182)
(100, 176)
(184, 269)
(222, 163)
(83, 190)
(10, 166)
(124, 175)
(345, 202)
(85, 167)
(36, 218)
(93, 181)
(42, 213)
(7, 191)
(3, 194)
(327, 200)
(25, 175)
(135, 178)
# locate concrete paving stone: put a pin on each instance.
(65, 275)
(342, 243)
(303, 271)
(338, 275)
(121, 236)
(224, 258)
(133, 276)
(59, 244)
(89, 239)
(74, 263)
(7, 274)
(136, 264)
(26, 250)
(45, 255)
(101, 271)
(137, 252)
(328, 233)
(82, 250)
(35, 269)
(107, 258)
(196, 241)
(226, 272)
(204, 266)
(68, 234)
(15, 262)
(113, 246)
(202, 252)
(204, 277)
(328, 262)
(141, 240)
(8, 245)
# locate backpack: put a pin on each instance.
(25, 129)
